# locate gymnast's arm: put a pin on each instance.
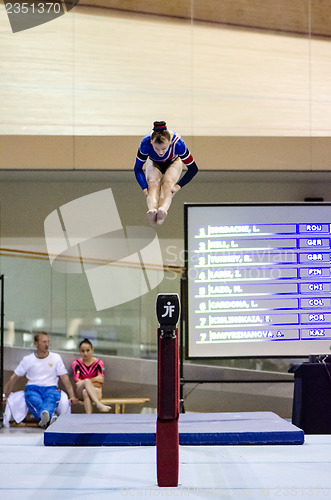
(98, 380)
(188, 160)
(192, 170)
(139, 173)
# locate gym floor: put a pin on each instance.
(29, 470)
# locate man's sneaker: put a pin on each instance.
(54, 417)
(44, 419)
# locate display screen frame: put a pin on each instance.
(268, 351)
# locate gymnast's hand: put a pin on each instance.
(99, 379)
(175, 188)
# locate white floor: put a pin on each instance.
(28, 470)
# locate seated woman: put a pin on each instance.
(89, 377)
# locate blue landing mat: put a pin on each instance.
(258, 428)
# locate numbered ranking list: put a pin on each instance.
(262, 281)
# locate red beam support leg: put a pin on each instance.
(167, 440)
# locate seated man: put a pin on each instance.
(42, 369)
(17, 410)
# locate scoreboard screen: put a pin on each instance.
(259, 280)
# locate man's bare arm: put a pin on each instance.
(10, 385)
(68, 387)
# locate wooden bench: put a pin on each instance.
(121, 402)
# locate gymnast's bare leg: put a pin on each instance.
(168, 189)
(161, 189)
(153, 177)
(86, 391)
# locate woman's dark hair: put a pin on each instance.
(160, 133)
(86, 341)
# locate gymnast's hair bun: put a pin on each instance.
(159, 126)
(86, 341)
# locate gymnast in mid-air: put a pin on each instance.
(163, 152)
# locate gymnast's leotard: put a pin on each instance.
(82, 371)
(177, 149)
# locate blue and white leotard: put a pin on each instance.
(177, 149)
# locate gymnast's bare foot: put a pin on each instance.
(151, 216)
(161, 215)
(103, 408)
